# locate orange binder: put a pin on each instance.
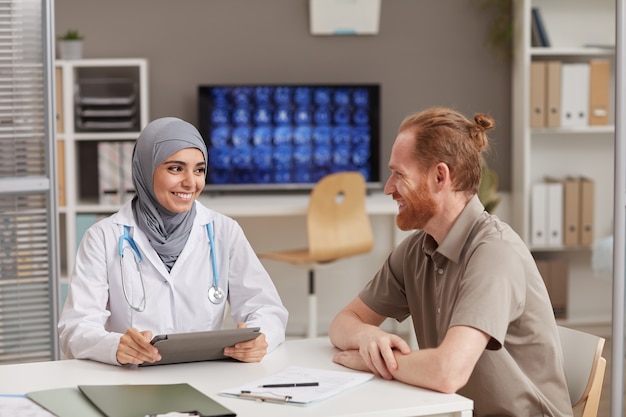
(553, 94)
(586, 211)
(537, 94)
(571, 212)
(61, 172)
(58, 78)
(599, 90)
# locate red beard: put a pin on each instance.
(419, 208)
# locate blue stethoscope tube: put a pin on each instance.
(216, 294)
(126, 237)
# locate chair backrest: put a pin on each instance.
(584, 368)
(337, 221)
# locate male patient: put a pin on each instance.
(481, 312)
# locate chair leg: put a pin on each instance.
(312, 326)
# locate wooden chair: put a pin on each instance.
(584, 369)
(338, 227)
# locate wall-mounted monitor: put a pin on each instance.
(287, 137)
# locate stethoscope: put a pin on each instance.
(216, 294)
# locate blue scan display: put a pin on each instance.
(276, 135)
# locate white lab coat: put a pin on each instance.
(96, 312)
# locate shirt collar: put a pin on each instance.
(455, 240)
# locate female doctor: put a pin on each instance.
(166, 264)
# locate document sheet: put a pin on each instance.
(329, 383)
(20, 405)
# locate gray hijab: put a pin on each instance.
(166, 231)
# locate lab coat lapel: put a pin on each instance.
(125, 217)
(150, 254)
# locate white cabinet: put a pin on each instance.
(578, 31)
(99, 101)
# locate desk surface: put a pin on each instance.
(287, 204)
(375, 398)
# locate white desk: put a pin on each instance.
(375, 398)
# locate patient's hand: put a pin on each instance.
(351, 359)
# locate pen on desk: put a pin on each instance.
(292, 385)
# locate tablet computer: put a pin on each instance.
(199, 346)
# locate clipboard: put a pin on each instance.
(199, 346)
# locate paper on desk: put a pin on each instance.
(20, 405)
(330, 383)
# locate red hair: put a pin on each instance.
(445, 135)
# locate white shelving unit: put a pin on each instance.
(572, 25)
(78, 161)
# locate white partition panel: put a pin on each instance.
(28, 218)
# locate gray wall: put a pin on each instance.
(428, 52)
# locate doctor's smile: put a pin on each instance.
(180, 179)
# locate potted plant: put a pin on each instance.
(488, 188)
(71, 45)
(500, 32)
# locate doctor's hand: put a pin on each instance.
(251, 351)
(135, 348)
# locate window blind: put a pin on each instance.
(28, 216)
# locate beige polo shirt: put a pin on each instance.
(482, 275)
